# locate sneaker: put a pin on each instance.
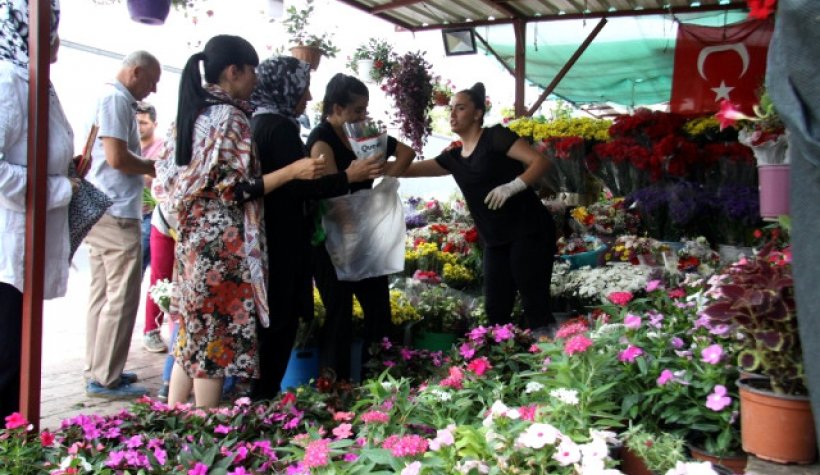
(121, 391)
(128, 377)
(162, 395)
(153, 342)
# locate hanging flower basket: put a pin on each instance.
(309, 54)
(150, 12)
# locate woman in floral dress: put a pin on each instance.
(214, 187)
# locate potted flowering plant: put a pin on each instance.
(442, 91)
(757, 297)
(308, 47)
(373, 60)
(410, 84)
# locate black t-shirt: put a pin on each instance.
(486, 168)
(344, 156)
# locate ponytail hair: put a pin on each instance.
(220, 52)
(478, 96)
(342, 90)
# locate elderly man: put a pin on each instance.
(115, 250)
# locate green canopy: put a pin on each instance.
(630, 61)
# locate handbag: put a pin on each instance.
(88, 204)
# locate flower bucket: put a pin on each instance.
(776, 427)
(774, 190)
(303, 366)
(309, 54)
(588, 258)
(149, 12)
(434, 341)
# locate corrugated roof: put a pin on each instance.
(434, 14)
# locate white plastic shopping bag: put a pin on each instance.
(365, 232)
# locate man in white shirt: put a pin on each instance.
(115, 250)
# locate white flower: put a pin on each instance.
(567, 452)
(387, 385)
(498, 409)
(533, 387)
(444, 437)
(469, 465)
(567, 396)
(412, 468)
(538, 435)
(692, 468)
(594, 450)
(441, 394)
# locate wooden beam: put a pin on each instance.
(520, 28)
(503, 8)
(735, 5)
(389, 19)
(39, 48)
(393, 5)
(495, 54)
(571, 62)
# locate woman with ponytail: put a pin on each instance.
(214, 185)
(494, 169)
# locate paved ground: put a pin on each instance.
(63, 390)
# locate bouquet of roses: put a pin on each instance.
(367, 138)
(567, 156)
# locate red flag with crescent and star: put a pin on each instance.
(717, 63)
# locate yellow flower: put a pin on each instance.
(358, 313)
(579, 214)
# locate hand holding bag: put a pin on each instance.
(88, 204)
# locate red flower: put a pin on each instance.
(471, 235)
(620, 298)
(46, 438)
(479, 366)
(761, 9)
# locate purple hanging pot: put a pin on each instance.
(150, 12)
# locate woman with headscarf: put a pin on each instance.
(281, 94)
(14, 64)
(213, 186)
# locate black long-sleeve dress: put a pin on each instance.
(288, 227)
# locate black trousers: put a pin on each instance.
(274, 347)
(525, 266)
(11, 327)
(336, 336)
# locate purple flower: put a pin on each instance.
(115, 458)
(718, 399)
(466, 350)
(653, 285)
(677, 343)
(223, 429)
(712, 354)
(478, 333)
(502, 333)
(655, 319)
(199, 469)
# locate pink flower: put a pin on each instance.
(677, 343)
(528, 412)
(350, 457)
(343, 416)
(534, 348)
(729, 114)
(199, 469)
(633, 322)
(15, 420)
(386, 343)
(479, 366)
(569, 329)
(222, 429)
(503, 333)
(477, 333)
(577, 344)
(620, 298)
(466, 350)
(375, 417)
(317, 453)
(712, 354)
(46, 438)
(629, 354)
(653, 285)
(412, 468)
(676, 293)
(343, 431)
(718, 399)
(454, 380)
(665, 377)
(406, 445)
(239, 471)
(444, 438)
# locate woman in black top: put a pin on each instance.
(346, 100)
(494, 169)
(280, 96)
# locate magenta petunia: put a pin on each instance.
(198, 469)
(665, 377)
(466, 350)
(712, 354)
(718, 399)
(15, 420)
(630, 354)
(633, 322)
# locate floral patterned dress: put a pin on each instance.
(220, 255)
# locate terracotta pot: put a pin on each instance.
(776, 427)
(150, 12)
(631, 464)
(309, 54)
(735, 463)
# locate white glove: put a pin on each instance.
(500, 194)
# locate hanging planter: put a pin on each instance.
(149, 12)
(309, 54)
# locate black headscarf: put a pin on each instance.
(281, 81)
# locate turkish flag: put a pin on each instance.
(717, 63)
